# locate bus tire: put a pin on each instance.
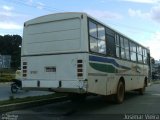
(142, 90)
(119, 97)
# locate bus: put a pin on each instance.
(76, 54)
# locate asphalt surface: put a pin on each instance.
(135, 107)
(5, 92)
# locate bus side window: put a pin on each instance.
(92, 29)
(93, 36)
(97, 38)
(123, 53)
(101, 39)
(144, 56)
(117, 44)
(133, 51)
(139, 54)
(111, 48)
(126, 46)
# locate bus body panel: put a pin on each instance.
(52, 37)
(104, 74)
(51, 69)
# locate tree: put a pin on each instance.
(10, 45)
(152, 60)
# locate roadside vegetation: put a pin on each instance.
(156, 82)
(13, 100)
(6, 75)
(10, 45)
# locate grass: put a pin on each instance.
(13, 100)
(156, 82)
(6, 75)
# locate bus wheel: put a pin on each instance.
(119, 97)
(142, 90)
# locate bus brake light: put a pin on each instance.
(79, 68)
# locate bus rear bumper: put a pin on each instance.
(76, 86)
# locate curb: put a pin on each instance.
(11, 107)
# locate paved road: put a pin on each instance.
(5, 92)
(135, 107)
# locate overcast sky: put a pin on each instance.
(137, 19)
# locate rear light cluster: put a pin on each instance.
(24, 69)
(80, 68)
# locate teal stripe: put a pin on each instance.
(103, 67)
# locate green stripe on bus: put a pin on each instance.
(103, 67)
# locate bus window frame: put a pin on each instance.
(97, 23)
(119, 35)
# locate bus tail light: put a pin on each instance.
(24, 69)
(79, 68)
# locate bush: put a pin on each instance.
(6, 75)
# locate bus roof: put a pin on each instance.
(54, 17)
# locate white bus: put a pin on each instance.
(77, 54)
